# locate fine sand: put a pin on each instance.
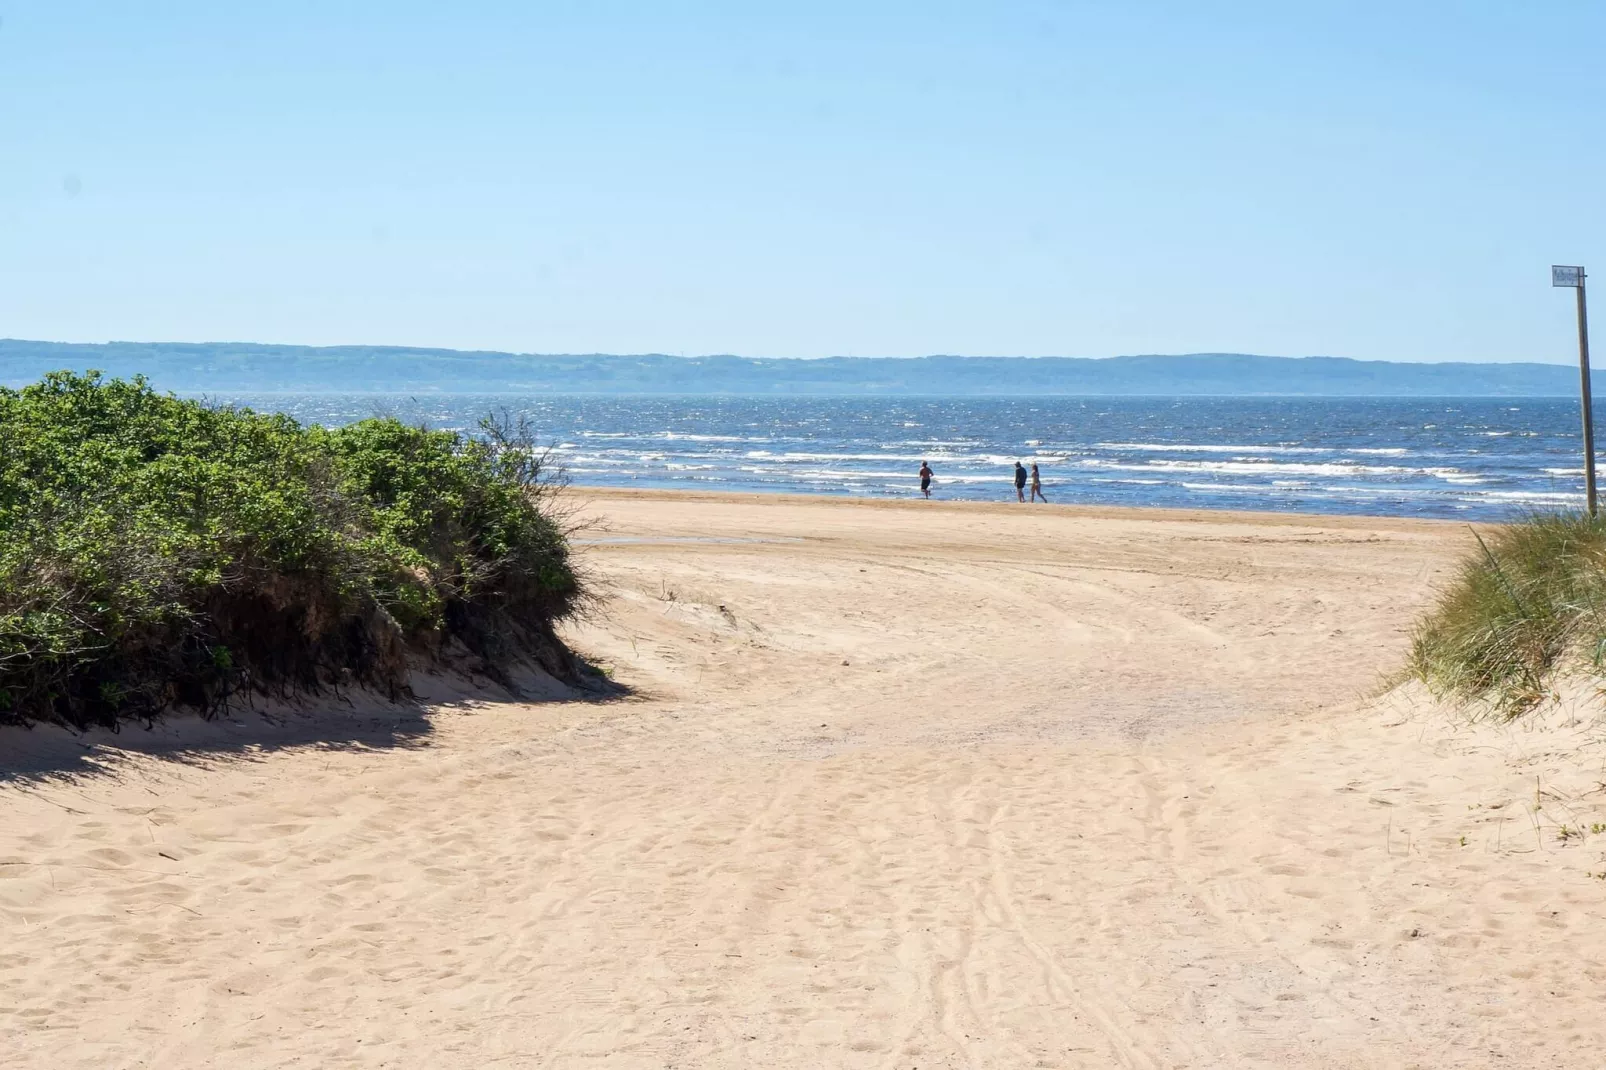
(900, 785)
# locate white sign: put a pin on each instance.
(1566, 276)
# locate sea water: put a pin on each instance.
(1465, 458)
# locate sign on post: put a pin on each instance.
(1566, 276)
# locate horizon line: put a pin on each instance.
(739, 356)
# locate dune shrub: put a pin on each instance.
(156, 551)
(1528, 604)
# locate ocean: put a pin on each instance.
(1486, 459)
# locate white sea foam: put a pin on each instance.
(1199, 447)
(1337, 468)
(1261, 488)
(1193, 447)
(935, 443)
(611, 462)
(906, 477)
(991, 460)
(1554, 497)
(681, 436)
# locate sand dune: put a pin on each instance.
(901, 785)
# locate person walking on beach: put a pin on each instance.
(925, 479)
(1020, 482)
(1037, 486)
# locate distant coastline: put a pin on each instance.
(239, 366)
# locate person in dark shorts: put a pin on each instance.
(925, 479)
(1037, 486)
(1020, 481)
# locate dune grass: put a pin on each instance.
(156, 551)
(1528, 606)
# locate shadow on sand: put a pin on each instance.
(330, 721)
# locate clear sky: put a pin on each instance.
(1376, 180)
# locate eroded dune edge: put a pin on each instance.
(899, 785)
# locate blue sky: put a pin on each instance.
(1377, 180)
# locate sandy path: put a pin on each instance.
(904, 786)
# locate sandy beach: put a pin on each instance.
(897, 785)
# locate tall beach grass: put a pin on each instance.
(1527, 607)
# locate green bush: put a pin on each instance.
(156, 551)
(1528, 604)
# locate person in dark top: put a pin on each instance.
(1020, 481)
(925, 479)
(1037, 486)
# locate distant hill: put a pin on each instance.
(239, 366)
